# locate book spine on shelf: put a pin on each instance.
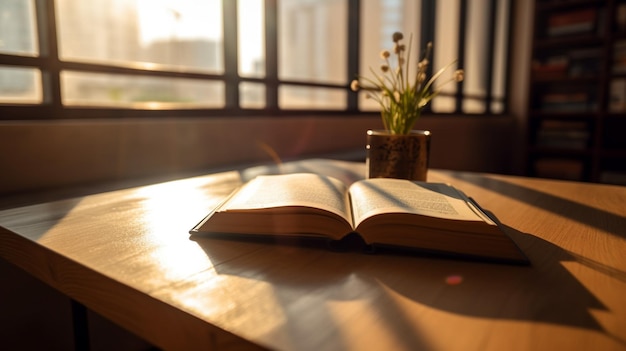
(573, 102)
(572, 22)
(563, 135)
(617, 96)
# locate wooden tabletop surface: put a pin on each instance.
(127, 255)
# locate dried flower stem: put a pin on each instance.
(401, 103)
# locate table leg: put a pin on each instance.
(80, 326)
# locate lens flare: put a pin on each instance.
(454, 279)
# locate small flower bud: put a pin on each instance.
(354, 85)
(397, 36)
(421, 78)
(385, 54)
(384, 68)
(398, 48)
(459, 75)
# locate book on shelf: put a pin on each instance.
(584, 62)
(563, 139)
(620, 17)
(572, 22)
(385, 213)
(558, 124)
(619, 57)
(553, 67)
(559, 134)
(566, 102)
(569, 64)
(617, 95)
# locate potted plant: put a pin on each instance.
(400, 151)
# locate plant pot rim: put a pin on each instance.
(386, 132)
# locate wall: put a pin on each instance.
(39, 155)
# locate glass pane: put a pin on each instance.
(94, 89)
(20, 85)
(500, 53)
(476, 55)
(445, 51)
(251, 30)
(17, 27)
(497, 107)
(379, 20)
(297, 98)
(312, 40)
(252, 95)
(181, 34)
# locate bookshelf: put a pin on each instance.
(577, 116)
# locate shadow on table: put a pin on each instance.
(542, 292)
(575, 211)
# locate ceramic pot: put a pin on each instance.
(398, 156)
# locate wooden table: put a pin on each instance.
(127, 255)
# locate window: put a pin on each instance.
(19, 84)
(104, 58)
(312, 48)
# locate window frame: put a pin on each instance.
(50, 65)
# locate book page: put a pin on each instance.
(381, 195)
(300, 189)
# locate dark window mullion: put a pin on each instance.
(132, 70)
(230, 40)
(313, 84)
(48, 50)
(491, 53)
(509, 46)
(461, 53)
(354, 42)
(271, 55)
(427, 33)
(22, 61)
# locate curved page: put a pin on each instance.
(377, 196)
(300, 189)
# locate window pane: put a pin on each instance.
(93, 89)
(252, 95)
(497, 106)
(17, 27)
(379, 20)
(251, 29)
(312, 40)
(476, 55)
(445, 51)
(500, 52)
(182, 34)
(20, 85)
(297, 97)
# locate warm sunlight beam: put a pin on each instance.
(170, 211)
(179, 19)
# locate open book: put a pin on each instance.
(431, 217)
